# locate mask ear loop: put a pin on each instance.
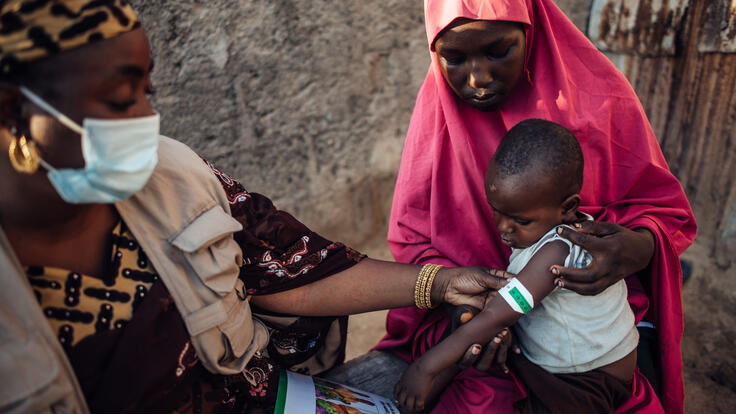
(63, 119)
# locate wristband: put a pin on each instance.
(516, 295)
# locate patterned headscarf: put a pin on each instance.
(34, 29)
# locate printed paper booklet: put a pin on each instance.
(302, 394)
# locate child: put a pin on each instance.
(578, 352)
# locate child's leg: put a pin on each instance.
(590, 392)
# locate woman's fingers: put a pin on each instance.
(486, 359)
(476, 301)
(398, 395)
(460, 315)
(466, 285)
(465, 317)
(418, 404)
(464, 313)
(603, 241)
(585, 281)
(597, 228)
(589, 242)
(404, 400)
(584, 288)
(500, 273)
(497, 280)
(503, 350)
(409, 403)
(470, 356)
(575, 274)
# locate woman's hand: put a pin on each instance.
(617, 253)
(493, 354)
(467, 285)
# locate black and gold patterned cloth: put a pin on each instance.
(34, 29)
(77, 305)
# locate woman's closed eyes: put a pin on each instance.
(495, 53)
(498, 54)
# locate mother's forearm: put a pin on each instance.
(367, 286)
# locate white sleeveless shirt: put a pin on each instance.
(567, 332)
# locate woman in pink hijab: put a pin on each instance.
(494, 64)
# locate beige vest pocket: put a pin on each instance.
(210, 249)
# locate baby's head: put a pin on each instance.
(533, 181)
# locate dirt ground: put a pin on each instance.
(708, 343)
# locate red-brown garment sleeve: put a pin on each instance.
(279, 252)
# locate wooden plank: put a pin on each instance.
(644, 27)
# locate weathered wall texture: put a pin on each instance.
(305, 101)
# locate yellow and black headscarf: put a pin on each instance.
(34, 29)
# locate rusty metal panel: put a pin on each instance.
(645, 27)
(719, 28)
(690, 99)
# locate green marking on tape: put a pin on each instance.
(520, 300)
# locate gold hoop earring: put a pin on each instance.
(23, 155)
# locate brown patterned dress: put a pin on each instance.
(128, 344)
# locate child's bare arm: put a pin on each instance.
(419, 380)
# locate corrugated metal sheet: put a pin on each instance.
(719, 29)
(690, 98)
(645, 27)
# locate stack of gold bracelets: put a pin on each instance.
(423, 287)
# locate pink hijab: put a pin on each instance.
(439, 211)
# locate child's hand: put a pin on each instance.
(413, 389)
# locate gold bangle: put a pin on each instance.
(423, 286)
(423, 277)
(428, 289)
(417, 290)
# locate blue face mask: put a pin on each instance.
(119, 155)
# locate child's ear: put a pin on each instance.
(570, 208)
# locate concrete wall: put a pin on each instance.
(305, 101)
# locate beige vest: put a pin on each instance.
(182, 220)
